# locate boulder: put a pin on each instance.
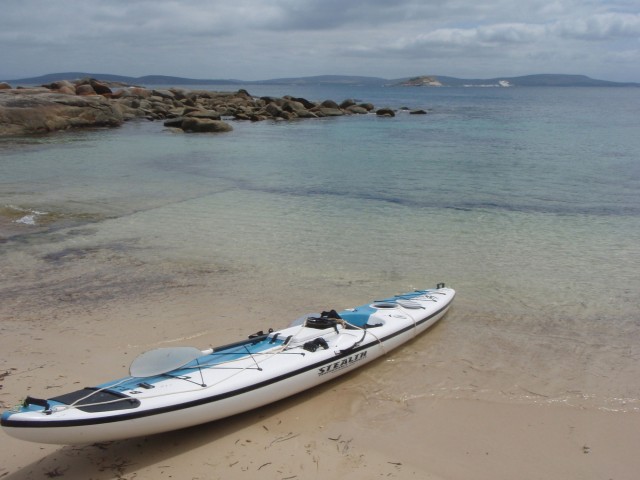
(357, 109)
(67, 90)
(191, 124)
(5, 86)
(418, 112)
(306, 114)
(306, 103)
(85, 89)
(176, 112)
(174, 122)
(224, 110)
(99, 87)
(328, 112)
(179, 93)
(139, 92)
(31, 111)
(210, 114)
(59, 85)
(118, 94)
(273, 109)
(347, 103)
(330, 104)
(292, 106)
(287, 115)
(257, 117)
(168, 94)
(129, 101)
(268, 100)
(385, 112)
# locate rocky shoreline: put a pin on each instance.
(93, 103)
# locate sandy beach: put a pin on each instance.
(355, 427)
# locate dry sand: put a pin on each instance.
(343, 429)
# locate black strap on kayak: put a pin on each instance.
(40, 402)
(259, 335)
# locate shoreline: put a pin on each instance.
(356, 426)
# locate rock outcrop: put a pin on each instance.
(26, 111)
(92, 103)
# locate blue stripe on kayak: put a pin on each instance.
(206, 361)
(358, 316)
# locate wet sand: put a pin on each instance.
(354, 427)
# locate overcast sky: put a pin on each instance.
(262, 39)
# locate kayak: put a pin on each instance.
(172, 388)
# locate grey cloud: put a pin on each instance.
(600, 26)
(254, 39)
(330, 14)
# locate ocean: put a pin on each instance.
(525, 200)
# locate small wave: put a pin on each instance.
(21, 215)
(28, 219)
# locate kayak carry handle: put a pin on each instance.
(40, 402)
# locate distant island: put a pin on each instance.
(541, 80)
(432, 81)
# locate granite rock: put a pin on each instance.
(25, 111)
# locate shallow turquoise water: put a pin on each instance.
(527, 201)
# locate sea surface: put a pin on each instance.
(525, 200)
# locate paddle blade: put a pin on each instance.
(162, 360)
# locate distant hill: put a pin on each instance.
(542, 80)
(168, 80)
(146, 80)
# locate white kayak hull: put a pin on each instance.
(232, 379)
